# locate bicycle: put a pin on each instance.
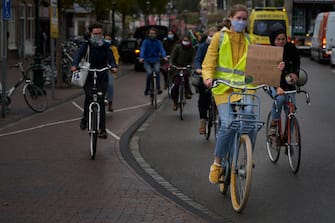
(289, 136)
(34, 96)
(153, 90)
(213, 120)
(237, 165)
(94, 113)
(181, 90)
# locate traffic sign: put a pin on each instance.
(6, 9)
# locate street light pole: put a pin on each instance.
(38, 69)
(113, 19)
(147, 3)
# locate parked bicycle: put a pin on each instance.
(213, 120)
(287, 132)
(181, 89)
(34, 96)
(94, 113)
(238, 164)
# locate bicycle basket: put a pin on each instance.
(246, 113)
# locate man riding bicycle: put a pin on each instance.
(151, 52)
(100, 56)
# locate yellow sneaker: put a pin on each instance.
(215, 173)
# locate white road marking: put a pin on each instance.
(71, 120)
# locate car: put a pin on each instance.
(140, 34)
(332, 58)
(127, 50)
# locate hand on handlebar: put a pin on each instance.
(208, 82)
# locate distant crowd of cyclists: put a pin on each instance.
(220, 52)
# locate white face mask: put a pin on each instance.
(209, 38)
(186, 43)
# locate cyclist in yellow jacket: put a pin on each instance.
(226, 59)
(110, 89)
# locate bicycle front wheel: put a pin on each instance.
(35, 97)
(93, 132)
(181, 101)
(273, 148)
(294, 145)
(241, 174)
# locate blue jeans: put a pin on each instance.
(110, 89)
(225, 135)
(281, 99)
(150, 67)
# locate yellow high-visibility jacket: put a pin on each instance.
(227, 61)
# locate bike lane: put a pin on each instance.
(47, 175)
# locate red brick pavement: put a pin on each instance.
(37, 195)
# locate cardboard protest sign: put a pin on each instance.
(262, 64)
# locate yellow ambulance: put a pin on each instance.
(261, 21)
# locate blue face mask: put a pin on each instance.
(108, 41)
(170, 36)
(96, 40)
(238, 25)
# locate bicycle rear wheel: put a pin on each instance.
(153, 93)
(93, 132)
(241, 174)
(181, 101)
(294, 145)
(35, 97)
(273, 148)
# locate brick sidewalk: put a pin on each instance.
(135, 200)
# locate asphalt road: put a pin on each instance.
(180, 156)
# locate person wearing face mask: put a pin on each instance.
(100, 56)
(289, 75)
(182, 55)
(151, 52)
(226, 59)
(204, 94)
(169, 43)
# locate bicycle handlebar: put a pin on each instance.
(99, 70)
(217, 82)
(298, 91)
(180, 68)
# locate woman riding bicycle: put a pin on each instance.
(100, 56)
(289, 75)
(169, 43)
(226, 59)
(182, 56)
(204, 95)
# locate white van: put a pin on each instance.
(323, 39)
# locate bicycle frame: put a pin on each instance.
(289, 113)
(94, 102)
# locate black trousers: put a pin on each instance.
(203, 101)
